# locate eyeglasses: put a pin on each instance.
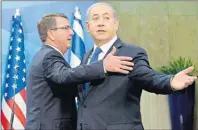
(65, 28)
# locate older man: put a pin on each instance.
(113, 103)
(51, 83)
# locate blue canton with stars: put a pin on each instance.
(16, 66)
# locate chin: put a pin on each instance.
(69, 46)
(102, 39)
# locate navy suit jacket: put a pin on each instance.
(51, 90)
(113, 103)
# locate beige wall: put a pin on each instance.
(166, 30)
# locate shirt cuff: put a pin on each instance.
(104, 69)
(170, 83)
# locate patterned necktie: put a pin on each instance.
(94, 58)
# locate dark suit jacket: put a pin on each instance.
(51, 90)
(113, 103)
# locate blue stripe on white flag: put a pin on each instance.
(78, 46)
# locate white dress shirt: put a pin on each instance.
(105, 47)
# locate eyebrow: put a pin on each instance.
(94, 15)
(65, 25)
(105, 13)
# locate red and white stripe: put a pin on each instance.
(19, 111)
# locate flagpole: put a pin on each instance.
(13, 103)
(17, 13)
(12, 114)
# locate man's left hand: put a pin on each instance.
(182, 79)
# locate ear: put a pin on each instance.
(87, 26)
(117, 22)
(50, 34)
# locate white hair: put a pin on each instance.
(99, 3)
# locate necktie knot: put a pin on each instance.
(97, 51)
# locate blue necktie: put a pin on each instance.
(94, 58)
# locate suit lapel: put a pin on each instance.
(117, 44)
(81, 89)
(86, 57)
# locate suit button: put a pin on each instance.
(84, 106)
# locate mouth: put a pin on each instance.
(101, 31)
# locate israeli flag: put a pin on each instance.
(78, 46)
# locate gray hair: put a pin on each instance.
(99, 3)
(48, 22)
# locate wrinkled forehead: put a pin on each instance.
(100, 9)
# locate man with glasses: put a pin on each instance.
(51, 83)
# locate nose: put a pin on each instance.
(101, 25)
(100, 22)
(71, 32)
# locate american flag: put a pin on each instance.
(14, 94)
(78, 46)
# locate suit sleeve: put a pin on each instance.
(56, 70)
(145, 77)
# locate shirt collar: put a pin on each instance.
(105, 47)
(55, 49)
